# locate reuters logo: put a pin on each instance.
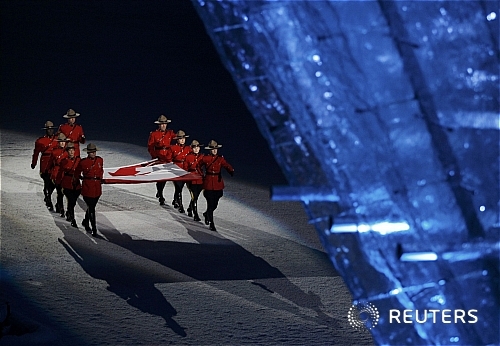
(363, 315)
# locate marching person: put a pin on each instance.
(73, 131)
(179, 152)
(90, 170)
(213, 184)
(71, 186)
(159, 148)
(192, 165)
(44, 146)
(56, 157)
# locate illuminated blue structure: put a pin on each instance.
(384, 117)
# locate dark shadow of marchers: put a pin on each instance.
(133, 284)
(217, 259)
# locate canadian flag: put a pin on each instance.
(146, 172)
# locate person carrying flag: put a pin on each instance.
(73, 131)
(71, 187)
(179, 152)
(90, 170)
(56, 157)
(213, 184)
(159, 143)
(43, 147)
(191, 164)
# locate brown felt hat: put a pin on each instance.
(71, 114)
(49, 125)
(213, 145)
(195, 143)
(62, 138)
(162, 120)
(70, 145)
(90, 148)
(180, 134)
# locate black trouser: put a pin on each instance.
(212, 197)
(178, 185)
(48, 188)
(90, 212)
(60, 199)
(72, 196)
(159, 189)
(194, 190)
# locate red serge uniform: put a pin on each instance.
(213, 176)
(179, 154)
(92, 171)
(43, 145)
(68, 167)
(74, 133)
(191, 164)
(159, 144)
(58, 154)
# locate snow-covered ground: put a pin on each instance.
(153, 276)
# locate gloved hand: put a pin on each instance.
(33, 166)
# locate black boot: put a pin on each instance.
(73, 221)
(175, 201)
(190, 209)
(85, 222)
(195, 212)
(181, 207)
(58, 210)
(92, 222)
(211, 220)
(61, 209)
(206, 218)
(161, 200)
(48, 201)
(49, 204)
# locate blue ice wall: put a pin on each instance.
(384, 117)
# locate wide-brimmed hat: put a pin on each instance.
(49, 125)
(195, 143)
(62, 138)
(70, 145)
(213, 145)
(162, 120)
(180, 134)
(90, 148)
(71, 114)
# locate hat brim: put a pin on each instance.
(163, 122)
(63, 140)
(49, 128)
(217, 147)
(90, 150)
(71, 116)
(181, 137)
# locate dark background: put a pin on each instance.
(121, 64)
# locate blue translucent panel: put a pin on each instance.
(384, 117)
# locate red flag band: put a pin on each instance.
(146, 172)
